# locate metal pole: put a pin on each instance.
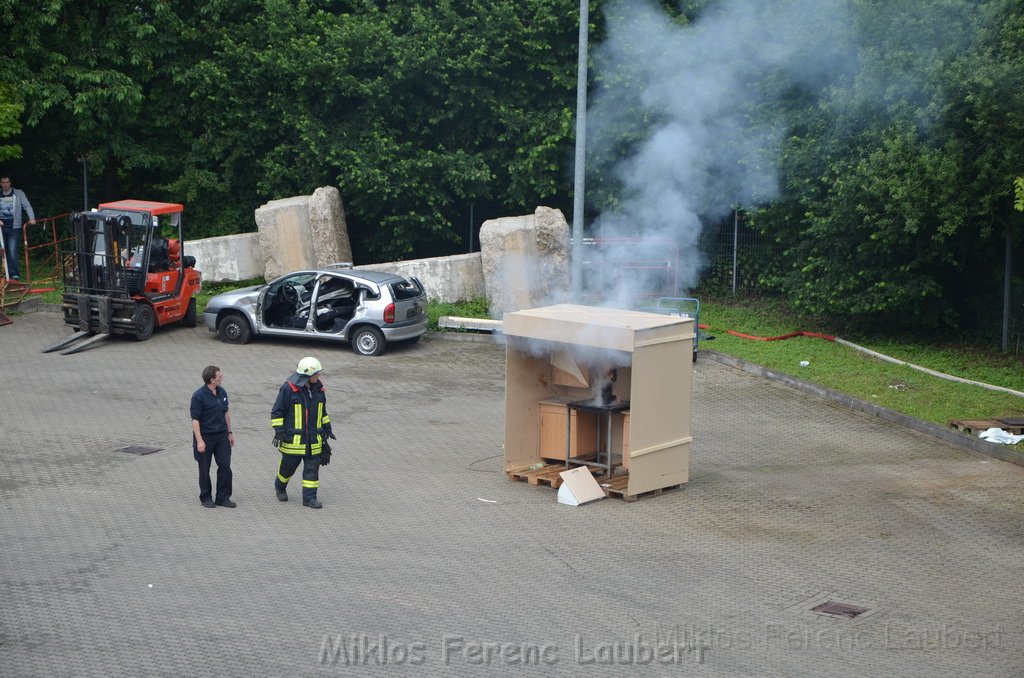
(1007, 272)
(581, 147)
(84, 159)
(735, 240)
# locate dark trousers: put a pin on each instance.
(217, 448)
(310, 473)
(12, 238)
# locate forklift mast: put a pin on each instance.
(119, 244)
(123, 275)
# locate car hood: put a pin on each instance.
(240, 297)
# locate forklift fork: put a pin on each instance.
(78, 341)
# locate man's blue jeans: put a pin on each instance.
(12, 238)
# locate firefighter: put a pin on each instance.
(301, 429)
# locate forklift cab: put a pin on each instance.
(140, 248)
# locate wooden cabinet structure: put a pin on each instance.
(642, 362)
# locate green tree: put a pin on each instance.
(10, 122)
(414, 111)
(895, 205)
(90, 76)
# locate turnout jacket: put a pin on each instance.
(299, 416)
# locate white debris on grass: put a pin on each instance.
(998, 435)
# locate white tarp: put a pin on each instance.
(998, 435)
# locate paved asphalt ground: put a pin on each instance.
(426, 561)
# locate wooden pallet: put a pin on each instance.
(616, 487)
(976, 426)
(547, 474)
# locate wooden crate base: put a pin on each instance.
(548, 475)
(616, 487)
(976, 426)
(545, 475)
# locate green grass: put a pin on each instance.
(865, 377)
(477, 308)
(44, 277)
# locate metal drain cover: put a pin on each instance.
(138, 449)
(843, 610)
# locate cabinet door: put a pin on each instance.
(552, 432)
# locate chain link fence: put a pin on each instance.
(740, 259)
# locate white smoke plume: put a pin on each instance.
(688, 91)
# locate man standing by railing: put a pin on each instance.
(12, 203)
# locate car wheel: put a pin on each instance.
(368, 340)
(190, 314)
(144, 321)
(234, 329)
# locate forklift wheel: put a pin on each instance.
(190, 314)
(144, 321)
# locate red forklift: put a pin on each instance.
(127, 273)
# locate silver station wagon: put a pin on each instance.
(368, 309)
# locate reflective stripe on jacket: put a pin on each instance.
(300, 414)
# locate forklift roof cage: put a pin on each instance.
(154, 208)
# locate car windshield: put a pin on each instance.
(300, 281)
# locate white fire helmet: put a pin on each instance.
(309, 366)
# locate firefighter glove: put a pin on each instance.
(325, 455)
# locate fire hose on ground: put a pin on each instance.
(875, 354)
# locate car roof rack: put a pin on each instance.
(340, 264)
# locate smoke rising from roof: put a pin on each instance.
(687, 92)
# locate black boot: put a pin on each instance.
(312, 503)
(282, 495)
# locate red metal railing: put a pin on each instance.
(649, 268)
(41, 242)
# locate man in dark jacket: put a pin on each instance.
(301, 429)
